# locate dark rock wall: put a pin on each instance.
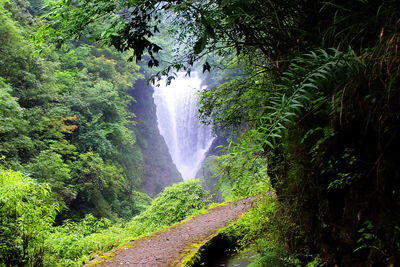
(159, 170)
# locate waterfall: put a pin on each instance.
(176, 108)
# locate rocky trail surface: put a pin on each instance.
(169, 247)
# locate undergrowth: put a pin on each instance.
(261, 230)
(75, 243)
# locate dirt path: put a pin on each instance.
(167, 247)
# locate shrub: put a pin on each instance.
(26, 214)
(176, 203)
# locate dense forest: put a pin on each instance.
(304, 96)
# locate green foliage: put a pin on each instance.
(322, 125)
(320, 129)
(175, 203)
(368, 237)
(204, 26)
(73, 244)
(236, 102)
(49, 167)
(76, 242)
(307, 84)
(252, 225)
(243, 172)
(258, 230)
(12, 127)
(66, 244)
(64, 121)
(59, 107)
(97, 184)
(73, 20)
(26, 214)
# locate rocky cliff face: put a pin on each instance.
(207, 176)
(159, 170)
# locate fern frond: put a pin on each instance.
(308, 82)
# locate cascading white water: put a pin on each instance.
(187, 139)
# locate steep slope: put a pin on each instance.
(159, 170)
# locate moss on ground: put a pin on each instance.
(188, 254)
(192, 253)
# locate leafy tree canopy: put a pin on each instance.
(63, 109)
(275, 29)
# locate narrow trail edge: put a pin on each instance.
(172, 246)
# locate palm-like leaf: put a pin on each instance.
(308, 78)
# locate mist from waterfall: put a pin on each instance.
(177, 115)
